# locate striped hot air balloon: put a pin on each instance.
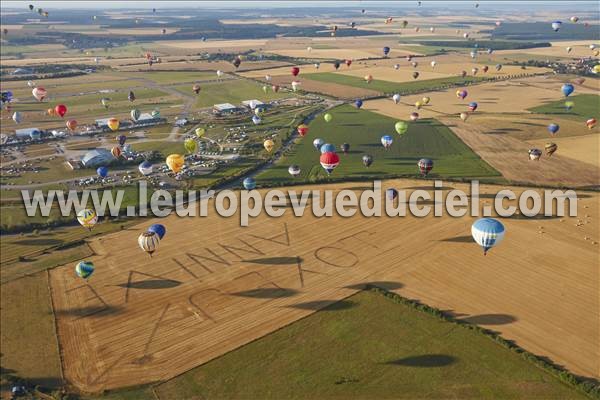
(84, 269)
(149, 242)
(329, 161)
(550, 148)
(87, 218)
(487, 232)
(425, 165)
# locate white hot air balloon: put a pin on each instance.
(433, 64)
(17, 117)
(396, 98)
(220, 74)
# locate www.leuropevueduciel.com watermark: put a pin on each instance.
(374, 202)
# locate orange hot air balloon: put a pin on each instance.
(302, 130)
(116, 152)
(175, 162)
(113, 124)
(368, 78)
(71, 124)
(591, 123)
(61, 110)
(51, 112)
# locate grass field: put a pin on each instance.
(363, 131)
(368, 346)
(586, 106)
(171, 77)
(393, 87)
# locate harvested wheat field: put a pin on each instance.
(212, 287)
(214, 44)
(342, 54)
(330, 89)
(584, 148)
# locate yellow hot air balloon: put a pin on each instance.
(190, 145)
(175, 162)
(113, 124)
(596, 69)
(87, 218)
(425, 100)
(418, 104)
(464, 116)
(269, 144)
(200, 132)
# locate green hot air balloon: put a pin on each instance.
(190, 145)
(401, 127)
(328, 117)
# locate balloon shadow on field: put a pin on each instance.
(459, 239)
(40, 242)
(275, 260)
(325, 305)
(424, 361)
(387, 285)
(266, 293)
(81, 312)
(151, 284)
(490, 319)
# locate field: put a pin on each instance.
(586, 106)
(213, 287)
(363, 131)
(585, 148)
(394, 349)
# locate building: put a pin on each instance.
(224, 108)
(28, 133)
(182, 122)
(96, 158)
(254, 104)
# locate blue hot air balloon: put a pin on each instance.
(159, 229)
(249, 183)
(553, 128)
(102, 172)
(391, 193)
(327, 148)
(487, 232)
(318, 142)
(567, 89)
(358, 103)
(387, 141)
(145, 168)
(556, 25)
(386, 51)
(256, 120)
(84, 269)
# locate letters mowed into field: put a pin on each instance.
(363, 131)
(212, 286)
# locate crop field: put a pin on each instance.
(363, 131)
(395, 349)
(212, 287)
(583, 148)
(586, 106)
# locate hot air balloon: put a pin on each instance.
(295, 71)
(149, 242)
(336, 65)
(145, 168)
(553, 128)
(401, 127)
(249, 183)
(348, 62)
(569, 105)
(317, 65)
(386, 51)
(414, 64)
(358, 103)
(265, 89)
(367, 160)
(256, 120)
(396, 98)
(591, 123)
(17, 117)
(121, 139)
(472, 106)
(87, 218)
(104, 102)
(550, 148)
(294, 170)
(116, 152)
(31, 7)
(414, 116)
(396, 66)
(220, 74)
(474, 70)
(489, 51)
(196, 88)
(113, 124)
(485, 68)
(131, 96)
(135, 114)
(329, 161)
(71, 124)
(200, 132)
(302, 130)
(155, 113)
(556, 25)
(535, 154)
(268, 145)
(569, 48)
(574, 19)
(404, 24)
(31, 84)
(425, 165)
(84, 269)
(309, 49)
(596, 69)
(275, 88)
(328, 117)
(327, 148)
(236, 62)
(567, 89)
(464, 116)
(498, 67)
(368, 78)
(345, 147)
(418, 104)
(387, 141)
(317, 143)
(102, 172)
(432, 29)
(50, 112)
(60, 109)
(415, 75)
(461, 94)
(487, 232)
(391, 193)
(463, 73)
(425, 100)
(175, 162)
(433, 64)
(158, 229)
(295, 85)
(190, 145)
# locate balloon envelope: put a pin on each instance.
(145, 168)
(175, 162)
(567, 89)
(487, 232)
(159, 229)
(401, 127)
(102, 172)
(84, 269)
(87, 218)
(249, 183)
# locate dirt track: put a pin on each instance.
(214, 286)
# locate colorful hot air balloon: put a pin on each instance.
(391, 193)
(102, 172)
(396, 98)
(556, 25)
(329, 161)
(71, 124)
(472, 106)
(327, 148)
(294, 170)
(386, 51)
(87, 218)
(345, 147)
(368, 78)
(302, 130)
(200, 132)
(318, 142)
(60, 109)
(433, 64)
(348, 62)
(550, 148)
(367, 160)
(190, 145)
(414, 116)
(487, 232)
(574, 19)
(39, 93)
(396, 66)
(358, 103)
(425, 165)
(249, 183)
(569, 105)
(591, 123)
(401, 127)
(295, 71)
(567, 89)
(256, 120)
(553, 128)
(149, 241)
(84, 269)
(268, 145)
(50, 112)
(135, 114)
(236, 62)
(461, 94)
(145, 168)
(159, 229)
(175, 162)
(328, 117)
(535, 154)
(113, 124)
(116, 152)
(387, 141)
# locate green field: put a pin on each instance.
(394, 87)
(171, 77)
(586, 106)
(363, 130)
(369, 347)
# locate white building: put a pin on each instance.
(253, 104)
(224, 108)
(28, 133)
